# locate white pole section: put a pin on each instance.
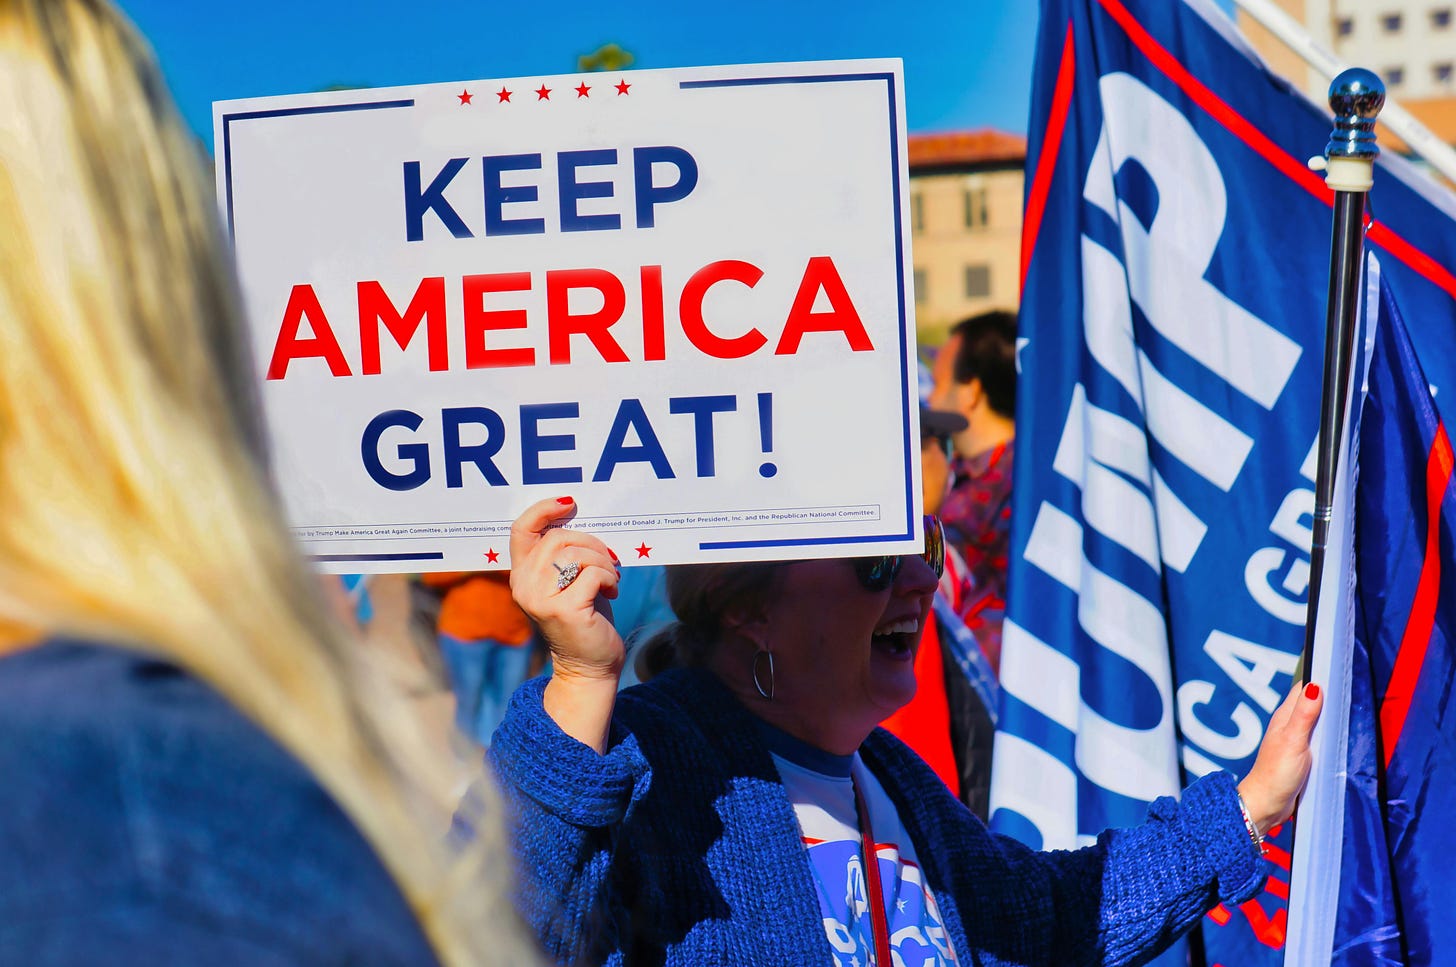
(1422, 141)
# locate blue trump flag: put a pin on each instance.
(1395, 821)
(1175, 259)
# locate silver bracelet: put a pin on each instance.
(1254, 836)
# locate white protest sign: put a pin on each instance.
(677, 296)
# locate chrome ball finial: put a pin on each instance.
(1356, 97)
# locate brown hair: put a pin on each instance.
(987, 352)
(702, 595)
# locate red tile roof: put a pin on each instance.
(950, 148)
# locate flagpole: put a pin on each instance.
(1356, 97)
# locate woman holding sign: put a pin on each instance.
(198, 768)
(722, 812)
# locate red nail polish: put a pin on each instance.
(1311, 691)
(615, 559)
(565, 500)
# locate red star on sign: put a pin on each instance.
(465, 96)
(543, 93)
(622, 87)
(502, 95)
(492, 555)
(643, 550)
(582, 90)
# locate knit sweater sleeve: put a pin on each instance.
(1120, 901)
(1125, 899)
(566, 803)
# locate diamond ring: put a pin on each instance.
(565, 575)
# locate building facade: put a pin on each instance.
(965, 222)
(1411, 44)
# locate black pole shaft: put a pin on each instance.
(1347, 239)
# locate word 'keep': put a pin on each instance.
(574, 184)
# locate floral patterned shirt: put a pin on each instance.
(977, 518)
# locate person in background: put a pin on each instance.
(485, 641)
(924, 723)
(951, 721)
(200, 766)
(941, 371)
(977, 512)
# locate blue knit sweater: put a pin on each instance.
(679, 846)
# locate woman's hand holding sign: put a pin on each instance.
(564, 580)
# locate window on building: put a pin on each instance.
(975, 207)
(1440, 18)
(1394, 76)
(1441, 73)
(1344, 26)
(978, 281)
(922, 292)
(917, 213)
(1390, 22)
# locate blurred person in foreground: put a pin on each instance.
(198, 767)
(977, 511)
(718, 814)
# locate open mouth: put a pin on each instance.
(897, 639)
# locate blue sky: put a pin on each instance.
(968, 63)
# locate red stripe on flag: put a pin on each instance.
(1380, 234)
(1424, 266)
(1395, 705)
(1041, 182)
(1216, 107)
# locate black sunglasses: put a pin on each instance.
(878, 573)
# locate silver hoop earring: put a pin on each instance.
(767, 693)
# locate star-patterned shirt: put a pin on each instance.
(821, 787)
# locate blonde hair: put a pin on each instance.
(134, 503)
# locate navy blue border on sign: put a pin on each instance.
(889, 80)
(398, 556)
(227, 135)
